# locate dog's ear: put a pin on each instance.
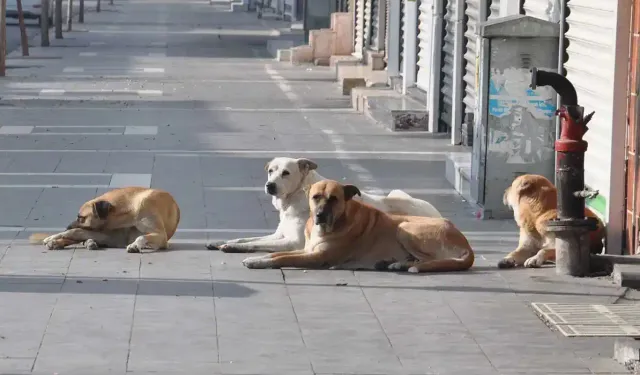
(505, 196)
(266, 166)
(306, 165)
(102, 208)
(350, 191)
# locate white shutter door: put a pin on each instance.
(359, 34)
(494, 11)
(425, 25)
(590, 67)
(375, 25)
(542, 9)
(446, 90)
(367, 23)
(474, 16)
(403, 18)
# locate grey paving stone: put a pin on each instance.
(164, 339)
(98, 326)
(91, 163)
(19, 202)
(128, 163)
(58, 207)
(16, 365)
(34, 163)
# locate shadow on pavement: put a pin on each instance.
(123, 286)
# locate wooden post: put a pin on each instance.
(69, 14)
(44, 23)
(23, 30)
(98, 6)
(81, 12)
(3, 38)
(57, 18)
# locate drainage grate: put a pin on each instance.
(592, 320)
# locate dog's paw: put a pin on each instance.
(506, 263)
(53, 245)
(257, 262)
(397, 266)
(413, 269)
(226, 248)
(133, 248)
(91, 244)
(534, 262)
(52, 238)
(215, 245)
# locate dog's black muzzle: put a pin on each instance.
(271, 188)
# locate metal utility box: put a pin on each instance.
(515, 126)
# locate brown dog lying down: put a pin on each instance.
(533, 199)
(342, 233)
(133, 217)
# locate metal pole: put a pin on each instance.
(44, 24)
(57, 18)
(69, 14)
(81, 12)
(24, 42)
(110, 2)
(3, 38)
(98, 6)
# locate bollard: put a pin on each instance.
(571, 228)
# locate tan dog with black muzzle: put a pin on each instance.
(133, 217)
(534, 200)
(342, 233)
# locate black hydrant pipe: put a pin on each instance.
(564, 88)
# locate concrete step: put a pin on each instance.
(627, 275)
(458, 173)
(397, 113)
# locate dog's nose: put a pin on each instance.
(321, 218)
(271, 188)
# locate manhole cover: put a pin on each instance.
(592, 320)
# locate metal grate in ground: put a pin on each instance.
(592, 320)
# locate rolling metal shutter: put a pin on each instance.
(475, 15)
(402, 23)
(359, 34)
(387, 19)
(447, 83)
(542, 9)
(425, 26)
(367, 23)
(375, 26)
(494, 10)
(590, 67)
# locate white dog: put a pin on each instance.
(288, 181)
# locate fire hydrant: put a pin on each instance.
(571, 227)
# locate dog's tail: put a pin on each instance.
(37, 238)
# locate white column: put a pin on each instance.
(410, 43)
(433, 94)
(458, 73)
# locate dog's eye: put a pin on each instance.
(270, 171)
(316, 197)
(285, 173)
(80, 219)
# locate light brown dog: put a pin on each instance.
(133, 217)
(342, 233)
(533, 199)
